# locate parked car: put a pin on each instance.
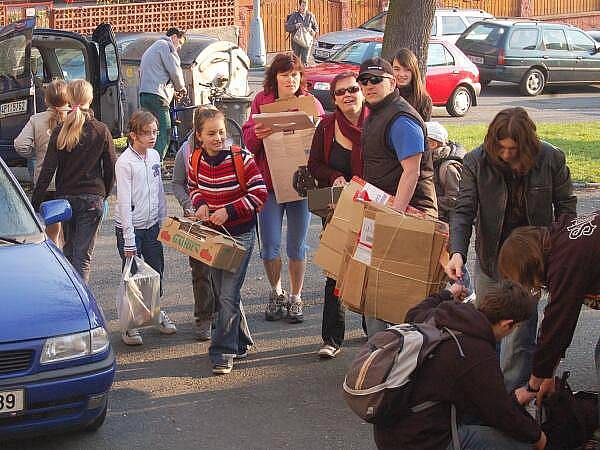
(595, 34)
(531, 54)
(56, 362)
(448, 24)
(34, 57)
(452, 80)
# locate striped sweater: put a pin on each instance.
(216, 185)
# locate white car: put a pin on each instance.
(448, 24)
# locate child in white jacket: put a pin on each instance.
(141, 206)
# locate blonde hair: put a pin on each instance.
(201, 115)
(79, 92)
(56, 99)
(138, 121)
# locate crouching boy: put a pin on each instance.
(473, 382)
(141, 206)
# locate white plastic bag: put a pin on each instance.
(138, 296)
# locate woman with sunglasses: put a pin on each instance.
(410, 83)
(284, 80)
(336, 156)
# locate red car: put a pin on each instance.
(452, 80)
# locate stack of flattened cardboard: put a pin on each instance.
(396, 261)
(345, 224)
(205, 244)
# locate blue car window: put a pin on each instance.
(525, 39)
(16, 219)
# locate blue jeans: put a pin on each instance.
(270, 220)
(231, 334)
(81, 230)
(478, 437)
(148, 246)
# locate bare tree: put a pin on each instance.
(408, 25)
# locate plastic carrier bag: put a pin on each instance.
(138, 296)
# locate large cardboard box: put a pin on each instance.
(347, 220)
(354, 286)
(405, 264)
(322, 201)
(205, 244)
(286, 149)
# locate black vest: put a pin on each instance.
(381, 166)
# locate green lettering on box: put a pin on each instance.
(186, 243)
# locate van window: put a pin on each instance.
(71, 62)
(111, 62)
(524, 39)
(473, 19)
(438, 55)
(37, 64)
(434, 26)
(580, 42)
(487, 33)
(555, 40)
(12, 57)
(452, 25)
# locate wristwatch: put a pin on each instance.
(530, 389)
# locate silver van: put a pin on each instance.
(448, 24)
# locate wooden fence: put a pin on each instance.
(555, 7)
(327, 12)
(498, 8)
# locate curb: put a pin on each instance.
(585, 185)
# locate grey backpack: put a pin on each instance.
(378, 385)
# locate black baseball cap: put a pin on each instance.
(375, 66)
(175, 31)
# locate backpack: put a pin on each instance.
(237, 157)
(455, 157)
(378, 386)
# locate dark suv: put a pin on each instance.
(532, 54)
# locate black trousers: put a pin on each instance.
(334, 323)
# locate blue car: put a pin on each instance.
(56, 361)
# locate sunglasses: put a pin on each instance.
(350, 90)
(373, 80)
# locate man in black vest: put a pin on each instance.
(393, 141)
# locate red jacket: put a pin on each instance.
(254, 144)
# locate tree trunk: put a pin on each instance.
(408, 25)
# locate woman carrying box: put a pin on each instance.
(284, 80)
(227, 199)
(336, 156)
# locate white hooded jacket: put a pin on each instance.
(140, 194)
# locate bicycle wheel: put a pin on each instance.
(234, 132)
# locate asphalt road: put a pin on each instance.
(282, 396)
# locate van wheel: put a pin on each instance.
(98, 421)
(533, 82)
(460, 102)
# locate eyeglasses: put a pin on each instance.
(373, 80)
(350, 90)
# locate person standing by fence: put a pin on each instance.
(298, 20)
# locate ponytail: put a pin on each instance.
(79, 92)
(56, 99)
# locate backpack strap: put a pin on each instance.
(238, 163)
(195, 161)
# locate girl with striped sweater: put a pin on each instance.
(225, 196)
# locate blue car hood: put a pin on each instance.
(37, 296)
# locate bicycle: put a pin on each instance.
(217, 92)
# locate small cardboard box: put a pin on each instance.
(286, 149)
(304, 103)
(202, 243)
(322, 201)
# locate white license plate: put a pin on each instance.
(322, 53)
(12, 401)
(13, 108)
(475, 59)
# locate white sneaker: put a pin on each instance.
(165, 325)
(328, 351)
(132, 337)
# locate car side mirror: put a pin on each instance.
(54, 211)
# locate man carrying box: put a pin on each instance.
(393, 142)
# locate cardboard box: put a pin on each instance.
(347, 220)
(303, 103)
(322, 201)
(354, 286)
(405, 264)
(205, 244)
(286, 149)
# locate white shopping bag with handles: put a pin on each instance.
(138, 296)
